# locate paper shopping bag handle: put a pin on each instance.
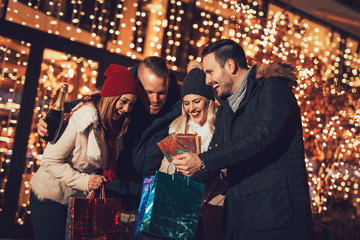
(102, 194)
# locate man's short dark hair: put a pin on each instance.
(157, 65)
(225, 49)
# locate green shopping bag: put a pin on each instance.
(173, 208)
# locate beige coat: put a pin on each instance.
(66, 166)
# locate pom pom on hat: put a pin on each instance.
(119, 81)
(192, 65)
(194, 82)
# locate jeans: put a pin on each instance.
(48, 218)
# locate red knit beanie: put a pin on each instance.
(119, 81)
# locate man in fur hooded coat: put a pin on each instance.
(258, 138)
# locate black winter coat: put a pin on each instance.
(141, 156)
(261, 145)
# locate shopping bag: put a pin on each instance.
(93, 218)
(173, 207)
(146, 189)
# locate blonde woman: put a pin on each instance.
(90, 142)
(198, 117)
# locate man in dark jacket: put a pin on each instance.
(150, 118)
(258, 138)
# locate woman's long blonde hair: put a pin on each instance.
(180, 123)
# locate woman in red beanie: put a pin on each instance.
(90, 142)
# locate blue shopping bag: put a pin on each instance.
(146, 189)
(172, 209)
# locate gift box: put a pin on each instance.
(175, 144)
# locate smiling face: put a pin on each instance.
(155, 90)
(196, 107)
(218, 77)
(123, 105)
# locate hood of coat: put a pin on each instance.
(85, 114)
(271, 70)
(277, 70)
(85, 118)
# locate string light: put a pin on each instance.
(328, 68)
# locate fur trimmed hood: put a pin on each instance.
(277, 70)
(84, 115)
(86, 121)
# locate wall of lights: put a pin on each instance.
(56, 68)
(328, 66)
(327, 61)
(13, 57)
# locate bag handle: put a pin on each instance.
(173, 175)
(101, 195)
